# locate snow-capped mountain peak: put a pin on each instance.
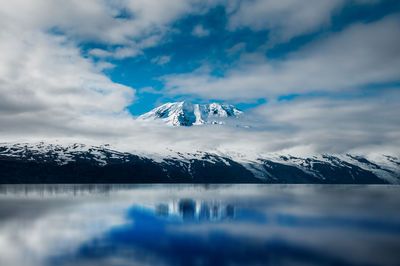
(189, 114)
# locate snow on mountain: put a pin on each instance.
(42, 162)
(60, 154)
(189, 114)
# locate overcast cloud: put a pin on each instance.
(50, 88)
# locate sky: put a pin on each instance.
(318, 76)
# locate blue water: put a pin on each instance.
(199, 225)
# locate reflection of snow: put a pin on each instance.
(357, 224)
(189, 209)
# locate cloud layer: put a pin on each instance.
(51, 87)
(360, 55)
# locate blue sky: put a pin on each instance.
(184, 52)
(321, 75)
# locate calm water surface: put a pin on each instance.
(199, 225)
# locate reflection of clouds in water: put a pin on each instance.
(186, 225)
(37, 229)
(154, 238)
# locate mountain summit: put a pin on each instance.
(189, 114)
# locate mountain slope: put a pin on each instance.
(79, 163)
(189, 114)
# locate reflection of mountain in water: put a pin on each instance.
(189, 209)
(70, 190)
(199, 225)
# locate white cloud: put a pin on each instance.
(304, 126)
(124, 52)
(339, 125)
(100, 52)
(47, 87)
(200, 31)
(161, 60)
(140, 24)
(49, 90)
(143, 25)
(360, 55)
(286, 18)
(236, 49)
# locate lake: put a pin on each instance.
(199, 225)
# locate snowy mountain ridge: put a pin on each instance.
(102, 163)
(189, 114)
